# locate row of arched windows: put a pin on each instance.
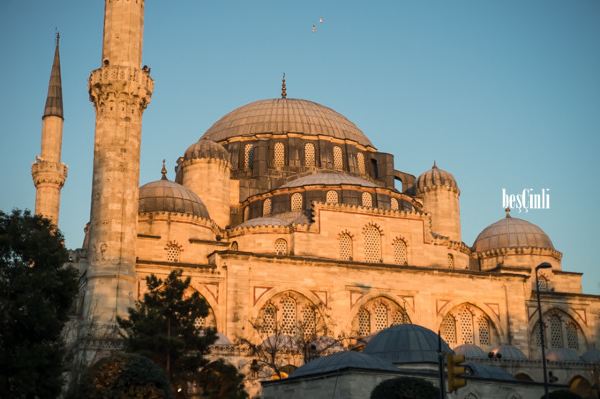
(331, 197)
(309, 157)
(372, 246)
(468, 324)
(561, 331)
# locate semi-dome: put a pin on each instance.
(512, 232)
(406, 343)
(343, 360)
(328, 179)
(508, 352)
(205, 148)
(471, 351)
(167, 196)
(435, 177)
(282, 116)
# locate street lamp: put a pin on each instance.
(544, 265)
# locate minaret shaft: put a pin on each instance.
(120, 91)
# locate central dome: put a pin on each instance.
(285, 115)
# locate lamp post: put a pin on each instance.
(544, 265)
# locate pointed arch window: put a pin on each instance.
(281, 246)
(279, 156)
(556, 334)
(267, 207)
(338, 160)
(367, 199)
(394, 204)
(309, 155)
(400, 251)
(448, 330)
(467, 324)
(345, 244)
(288, 316)
(296, 202)
(377, 314)
(364, 322)
(451, 261)
(372, 243)
(331, 197)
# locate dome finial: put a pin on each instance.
(283, 88)
(163, 171)
(434, 165)
(507, 210)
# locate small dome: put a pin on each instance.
(435, 177)
(563, 355)
(489, 372)
(406, 343)
(511, 233)
(470, 350)
(343, 360)
(509, 352)
(591, 356)
(205, 148)
(264, 221)
(328, 179)
(167, 196)
(282, 116)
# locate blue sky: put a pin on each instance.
(503, 94)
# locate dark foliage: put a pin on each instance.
(36, 293)
(124, 376)
(219, 380)
(162, 327)
(405, 388)
(563, 394)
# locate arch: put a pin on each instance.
(173, 251)
(234, 246)
(309, 155)
(248, 156)
(279, 155)
(581, 386)
(400, 251)
(267, 207)
(281, 246)
(522, 376)
(562, 330)
(331, 197)
(372, 243)
(451, 261)
(367, 200)
(469, 324)
(543, 283)
(296, 202)
(210, 321)
(376, 313)
(345, 243)
(338, 158)
(360, 163)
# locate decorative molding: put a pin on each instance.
(440, 304)
(495, 308)
(259, 292)
(322, 295)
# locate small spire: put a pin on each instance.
(163, 171)
(434, 165)
(54, 101)
(283, 88)
(507, 210)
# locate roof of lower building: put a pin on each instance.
(343, 360)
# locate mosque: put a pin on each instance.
(285, 212)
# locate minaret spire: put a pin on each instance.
(283, 88)
(54, 101)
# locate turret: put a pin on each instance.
(440, 194)
(48, 172)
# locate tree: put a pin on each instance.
(124, 375)
(36, 294)
(405, 388)
(162, 327)
(219, 380)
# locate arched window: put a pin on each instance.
(484, 331)
(556, 334)
(234, 246)
(281, 247)
(448, 330)
(209, 321)
(345, 243)
(291, 313)
(572, 336)
(288, 316)
(367, 200)
(309, 321)
(360, 160)
(248, 156)
(173, 251)
(279, 156)
(338, 161)
(296, 204)
(400, 251)
(267, 207)
(378, 314)
(465, 318)
(331, 197)
(467, 324)
(394, 204)
(269, 319)
(561, 331)
(309, 155)
(451, 261)
(372, 244)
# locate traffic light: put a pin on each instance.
(456, 371)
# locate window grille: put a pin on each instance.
(484, 331)
(309, 155)
(372, 248)
(360, 160)
(364, 322)
(338, 162)
(296, 202)
(394, 204)
(466, 326)
(200, 323)
(449, 329)
(309, 321)
(400, 251)
(345, 242)
(331, 197)
(451, 261)
(400, 317)
(537, 339)
(173, 252)
(572, 336)
(288, 316)
(556, 334)
(381, 317)
(279, 156)
(367, 200)
(248, 156)
(269, 319)
(267, 207)
(281, 247)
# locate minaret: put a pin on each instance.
(49, 174)
(120, 90)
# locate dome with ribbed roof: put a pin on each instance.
(436, 177)
(511, 232)
(282, 116)
(205, 148)
(328, 179)
(508, 352)
(470, 350)
(167, 196)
